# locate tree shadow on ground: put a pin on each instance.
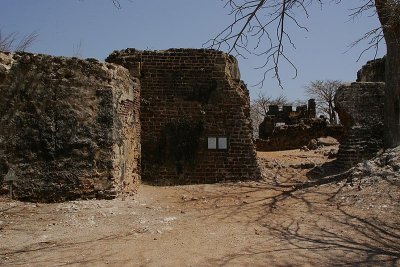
(303, 224)
(351, 240)
(92, 252)
(325, 171)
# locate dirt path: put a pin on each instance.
(275, 222)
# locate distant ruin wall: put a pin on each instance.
(360, 107)
(296, 136)
(304, 114)
(195, 116)
(69, 128)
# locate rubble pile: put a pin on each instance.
(373, 184)
(384, 166)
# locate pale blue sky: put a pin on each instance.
(163, 24)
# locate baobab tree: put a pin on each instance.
(324, 92)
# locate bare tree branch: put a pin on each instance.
(259, 28)
(77, 49)
(26, 41)
(12, 42)
(7, 41)
(116, 3)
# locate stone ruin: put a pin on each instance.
(285, 116)
(285, 129)
(74, 128)
(372, 71)
(195, 116)
(69, 128)
(360, 107)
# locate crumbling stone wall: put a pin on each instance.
(372, 71)
(189, 96)
(360, 107)
(69, 128)
(285, 129)
(286, 137)
(303, 114)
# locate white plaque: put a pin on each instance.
(222, 143)
(212, 143)
(10, 176)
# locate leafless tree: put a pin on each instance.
(12, 42)
(324, 92)
(259, 108)
(260, 27)
(263, 102)
(117, 3)
(77, 49)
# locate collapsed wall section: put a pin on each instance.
(195, 116)
(360, 107)
(373, 71)
(296, 136)
(69, 128)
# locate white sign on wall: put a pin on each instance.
(10, 176)
(212, 143)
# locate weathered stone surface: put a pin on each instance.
(372, 71)
(286, 115)
(189, 95)
(285, 129)
(295, 136)
(69, 128)
(385, 165)
(360, 109)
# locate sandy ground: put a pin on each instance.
(289, 219)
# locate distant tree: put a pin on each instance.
(259, 108)
(260, 27)
(12, 41)
(262, 103)
(324, 92)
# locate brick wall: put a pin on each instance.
(69, 128)
(187, 96)
(360, 109)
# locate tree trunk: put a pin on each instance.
(392, 97)
(391, 31)
(331, 113)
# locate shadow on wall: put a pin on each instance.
(178, 145)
